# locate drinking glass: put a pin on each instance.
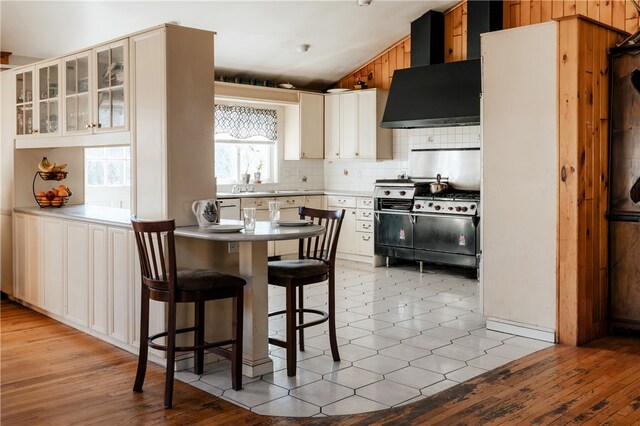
(274, 213)
(249, 214)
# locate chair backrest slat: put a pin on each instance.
(156, 250)
(321, 247)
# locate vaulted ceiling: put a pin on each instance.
(255, 39)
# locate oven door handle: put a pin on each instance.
(413, 218)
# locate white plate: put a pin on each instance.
(286, 85)
(225, 228)
(337, 90)
(297, 222)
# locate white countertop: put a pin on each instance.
(293, 193)
(85, 212)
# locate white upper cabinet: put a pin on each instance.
(95, 90)
(352, 126)
(304, 134)
(38, 100)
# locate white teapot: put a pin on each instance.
(207, 212)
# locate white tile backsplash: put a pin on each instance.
(360, 175)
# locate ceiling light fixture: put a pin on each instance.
(303, 48)
(363, 2)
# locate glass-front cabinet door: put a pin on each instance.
(24, 102)
(76, 94)
(48, 105)
(110, 93)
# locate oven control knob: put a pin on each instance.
(473, 207)
(458, 208)
(450, 208)
(418, 206)
(430, 205)
(403, 193)
(387, 192)
(464, 209)
(437, 207)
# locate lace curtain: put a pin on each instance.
(243, 122)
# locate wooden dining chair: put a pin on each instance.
(161, 281)
(315, 264)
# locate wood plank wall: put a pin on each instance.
(619, 14)
(583, 85)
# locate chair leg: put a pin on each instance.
(291, 329)
(333, 340)
(237, 335)
(171, 354)
(144, 339)
(198, 338)
(301, 317)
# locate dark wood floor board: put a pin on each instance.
(53, 374)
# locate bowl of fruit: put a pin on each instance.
(55, 197)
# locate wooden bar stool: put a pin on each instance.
(315, 264)
(161, 281)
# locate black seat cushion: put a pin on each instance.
(204, 279)
(298, 268)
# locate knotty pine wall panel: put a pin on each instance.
(583, 87)
(619, 14)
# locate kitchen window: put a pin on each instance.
(108, 176)
(246, 142)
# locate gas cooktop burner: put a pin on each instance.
(453, 195)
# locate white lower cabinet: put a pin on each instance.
(27, 257)
(356, 235)
(99, 278)
(119, 284)
(21, 256)
(53, 266)
(77, 273)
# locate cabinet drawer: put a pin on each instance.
(365, 203)
(338, 201)
(364, 244)
(364, 226)
(289, 202)
(258, 203)
(365, 214)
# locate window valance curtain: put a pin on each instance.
(243, 122)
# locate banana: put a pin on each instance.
(58, 168)
(45, 165)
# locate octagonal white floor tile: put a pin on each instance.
(426, 342)
(371, 324)
(438, 387)
(437, 318)
(415, 377)
(375, 342)
(477, 342)
(350, 317)
(287, 406)
(206, 387)
(461, 353)
(186, 376)
(483, 332)
(392, 316)
(302, 377)
(465, 325)
(309, 352)
(445, 333)
(404, 352)
(323, 364)
(416, 324)
(510, 351)
(438, 364)
(322, 342)
(352, 405)
(388, 393)
(381, 364)
(321, 393)
(353, 377)
(465, 374)
(351, 332)
(255, 393)
(525, 342)
(351, 352)
(222, 379)
(397, 332)
(488, 362)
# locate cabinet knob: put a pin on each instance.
(337, 154)
(303, 154)
(87, 126)
(357, 154)
(34, 131)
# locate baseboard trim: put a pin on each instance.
(519, 329)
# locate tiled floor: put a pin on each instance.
(402, 336)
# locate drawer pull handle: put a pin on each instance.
(367, 238)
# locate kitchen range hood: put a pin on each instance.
(436, 94)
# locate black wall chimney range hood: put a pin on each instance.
(436, 94)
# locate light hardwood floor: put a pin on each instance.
(53, 374)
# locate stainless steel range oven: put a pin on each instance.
(413, 224)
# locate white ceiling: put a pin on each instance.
(254, 38)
